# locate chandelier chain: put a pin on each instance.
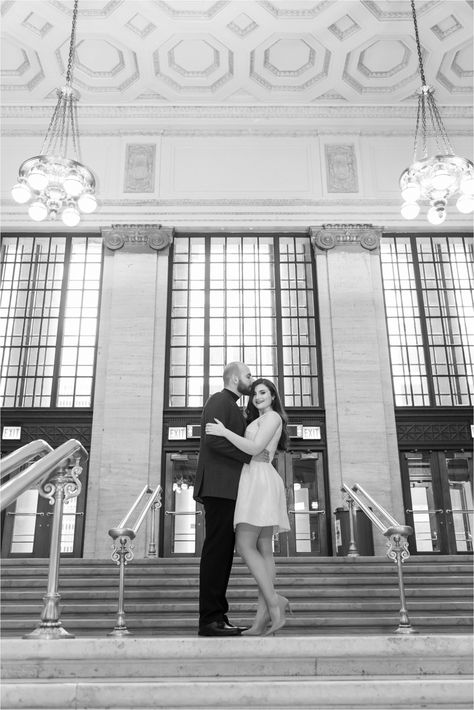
(72, 44)
(418, 46)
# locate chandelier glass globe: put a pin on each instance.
(21, 193)
(71, 216)
(38, 211)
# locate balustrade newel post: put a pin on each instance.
(397, 544)
(122, 554)
(353, 551)
(60, 487)
(152, 551)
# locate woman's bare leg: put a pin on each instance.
(247, 544)
(265, 547)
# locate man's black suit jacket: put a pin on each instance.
(220, 462)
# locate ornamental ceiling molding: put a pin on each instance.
(237, 133)
(194, 112)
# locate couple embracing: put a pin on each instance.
(243, 497)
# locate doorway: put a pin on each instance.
(303, 476)
(438, 500)
(28, 522)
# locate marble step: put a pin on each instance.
(160, 626)
(243, 582)
(316, 672)
(235, 596)
(191, 608)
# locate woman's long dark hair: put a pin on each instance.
(252, 412)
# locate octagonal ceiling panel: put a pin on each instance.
(289, 63)
(193, 64)
(101, 65)
(236, 51)
(382, 66)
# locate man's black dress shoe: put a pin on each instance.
(232, 626)
(219, 628)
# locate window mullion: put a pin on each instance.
(61, 316)
(207, 317)
(278, 318)
(423, 324)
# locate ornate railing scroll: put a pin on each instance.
(122, 537)
(397, 540)
(56, 476)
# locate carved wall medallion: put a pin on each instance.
(332, 235)
(152, 235)
(341, 168)
(140, 167)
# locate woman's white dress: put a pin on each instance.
(261, 498)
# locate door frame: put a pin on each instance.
(284, 547)
(441, 497)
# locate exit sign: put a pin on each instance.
(11, 432)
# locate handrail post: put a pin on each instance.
(122, 554)
(353, 551)
(152, 552)
(397, 545)
(59, 488)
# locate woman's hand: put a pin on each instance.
(216, 429)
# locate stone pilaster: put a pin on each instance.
(360, 418)
(130, 372)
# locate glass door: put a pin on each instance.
(438, 493)
(28, 523)
(303, 475)
(183, 523)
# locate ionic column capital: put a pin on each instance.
(137, 236)
(330, 236)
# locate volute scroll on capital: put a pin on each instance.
(153, 236)
(330, 236)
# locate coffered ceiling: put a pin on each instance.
(235, 52)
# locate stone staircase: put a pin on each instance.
(320, 672)
(336, 652)
(328, 595)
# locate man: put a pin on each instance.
(217, 482)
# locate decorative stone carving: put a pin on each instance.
(341, 167)
(152, 235)
(333, 235)
(140, 167)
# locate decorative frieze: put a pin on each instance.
(341, 235)
(153, 236)
(431, 433)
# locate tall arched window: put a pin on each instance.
(248, 298)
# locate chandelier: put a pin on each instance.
(52, 183)
(438, 177)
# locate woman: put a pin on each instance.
(260, 508)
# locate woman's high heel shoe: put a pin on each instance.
(283, 607)
(259, 625)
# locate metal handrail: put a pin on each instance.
(397, 541)
(122, 535)
(56, 476)
(38, 471)
(19, 457)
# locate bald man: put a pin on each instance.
(217, 482)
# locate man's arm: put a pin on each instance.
(219, 408)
